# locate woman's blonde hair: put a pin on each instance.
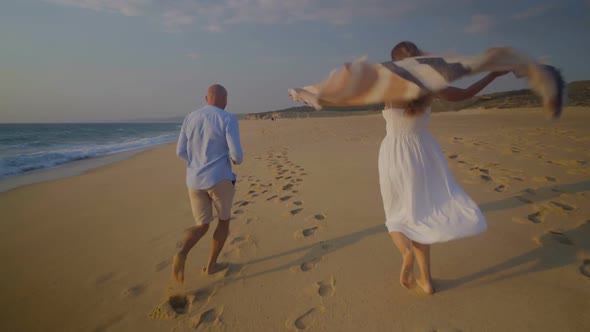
(407, 49)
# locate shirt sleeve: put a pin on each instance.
(181, 146)
(232, 135)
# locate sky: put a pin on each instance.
(119, 60)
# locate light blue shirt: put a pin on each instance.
(209, 141)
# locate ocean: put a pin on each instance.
(29, 147)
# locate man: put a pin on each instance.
(209, 141)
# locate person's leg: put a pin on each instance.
(203, 214)
(423, 255)
(219, 238)
(222, 195)
(404, 245)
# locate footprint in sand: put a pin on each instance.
(309, 264)
(485, 177)
(209, 318)
(316, 217)
(484, 171)
(536, 217)
(295, 211)
(162, 265)
(500, 188)
(585, 268)
(134, 290)
(309, 231)
(563, 206)
(306, 320)
(174, 306)
(306, 233)
(298, 203)
(203, 295)
(523, 199)
(245, 203)
(545, 179)
(238, 211)
(287, 187)
(180, 303)
(285, 198)
(272, 198)
(326, 288)
(559, 237)
(237, 240)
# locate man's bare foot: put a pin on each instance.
(426, 286)
(212, 269)
(178, 267)
(406, 277)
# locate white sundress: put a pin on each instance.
(420, 196)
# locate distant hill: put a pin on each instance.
(578, 95)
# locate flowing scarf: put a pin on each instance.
(362, 83)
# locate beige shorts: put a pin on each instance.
(220, 195)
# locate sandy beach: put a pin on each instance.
(308, 249)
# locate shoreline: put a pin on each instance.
(70, 169)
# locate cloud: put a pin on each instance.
(479, 24)
(290, 11)
(534, 11)
(123, 7)
(173, 19)
(214, 16)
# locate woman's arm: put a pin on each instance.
(457, 94)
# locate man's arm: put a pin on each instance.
(232, 136)
(457, 94)
(181, 146)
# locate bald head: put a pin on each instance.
(217, 96)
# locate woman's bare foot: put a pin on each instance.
(178, 267)
(212, 269)
(426, 286)
(406, 277)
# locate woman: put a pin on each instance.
(423, 203)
